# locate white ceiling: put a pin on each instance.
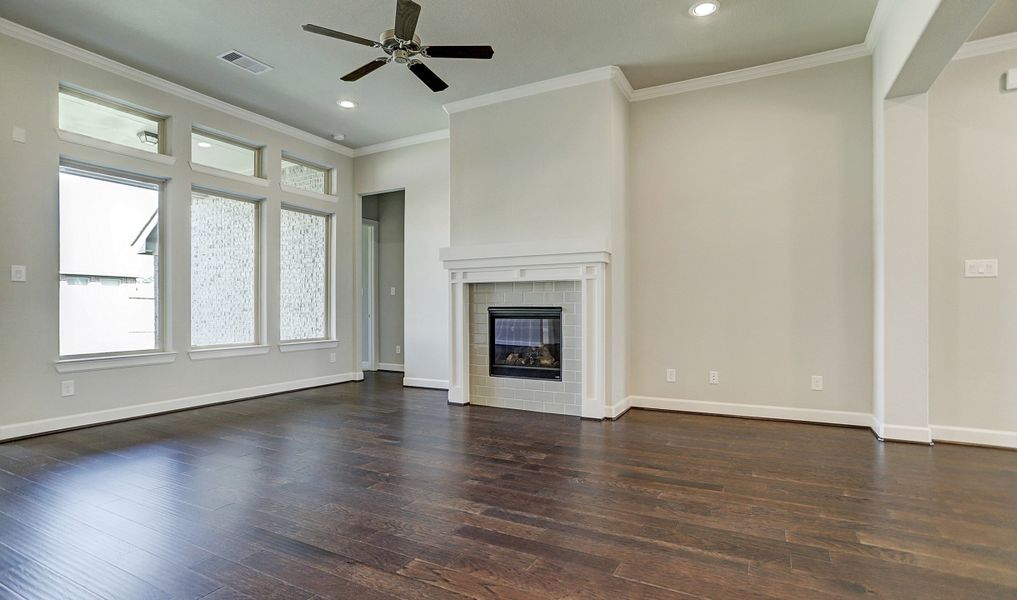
(653, 41)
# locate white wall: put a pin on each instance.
(391, 257)
(29, 384)
(972, 214)
(422, 171)
(751, 244)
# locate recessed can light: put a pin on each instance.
(704, 9)
(338, 136)
(346, 104)
(204, 145)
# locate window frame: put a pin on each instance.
(162, 148)
(330, 251)
(219, 136)
(330, 175)
(114, 175)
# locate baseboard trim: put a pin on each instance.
(395, 367)
(975, 437)
(615, 411)
(431, 384)
(904, 433)
(758, 411)
(99, 417)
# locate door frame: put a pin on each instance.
(369, 297)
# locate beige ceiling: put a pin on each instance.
(653, 41)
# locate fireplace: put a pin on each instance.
(525, 342)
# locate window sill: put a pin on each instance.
(310, 345)
(301, 192)
(228, 352)
(99, 363)
(91, 142)
(249, 179)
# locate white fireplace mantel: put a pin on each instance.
(561, 260)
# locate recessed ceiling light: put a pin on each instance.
(704, 9)
(346, 104)
(204, 145)
(338, 136)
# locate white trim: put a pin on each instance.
(307, 193)
(122, 361)
(969, 435)
(308, 345)
(228, 352)
(91, 142)
(619, 408)
(483, 256)
(999, 43)
(877, 24)
(768, 70)
(391, 367)
(812, 415)
(140, 410)
(436, 384)
(248, 179)
(905, 433)
(35, 38)
(413, 140)
(610, 73)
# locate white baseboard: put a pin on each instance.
(969, 435)
(904, 433)
(618, 409)
(390, 367)
(18, 430)
(813, 415)
(437, 384)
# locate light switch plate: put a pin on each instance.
(817, 383)
(981, 267)
(19, 273)
(1011, 80)
(18, 134)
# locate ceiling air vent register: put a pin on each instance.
(241, 60)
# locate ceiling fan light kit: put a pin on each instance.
(402, 46)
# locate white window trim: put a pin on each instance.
(91, 142)
(119, 361)
(307, 345)
(228, 352)
(249, 179)
(289, 189)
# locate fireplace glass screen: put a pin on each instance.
(525, 342)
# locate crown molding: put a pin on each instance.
(412, 140)
(768, 70)
(878, 23)
(30, 36)
(999, 43)
(612, 73)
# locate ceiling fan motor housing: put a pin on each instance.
(401, 51)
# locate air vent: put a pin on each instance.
(241, 60)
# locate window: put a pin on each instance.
(219, 152)
(303, 278)
(305, 176)
(109, 121)
(109, 262)
(224, 270)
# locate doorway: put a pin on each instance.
(382, 273)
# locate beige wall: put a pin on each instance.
(29, 383)
(391, 251)
(422, 171)
(750, 236)
(973, 214)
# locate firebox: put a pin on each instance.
(524, 342)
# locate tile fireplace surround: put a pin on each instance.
(544, 263)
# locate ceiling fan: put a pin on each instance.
(401, 45)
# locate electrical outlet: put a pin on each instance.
(672, 376)
(19, 273)
(399, 349)
(817, 383)
(331, 357)
(391, 292)
(67, 388)
(714, 378)
(18, 134)
(982, 267)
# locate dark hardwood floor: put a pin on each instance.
(373, 491)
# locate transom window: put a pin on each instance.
(220, 152)
(110, 121)
(304, 275)
(306, 176)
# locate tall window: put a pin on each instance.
(304, 280)
(219, 152)
(110, 121)
(224, 270)
(109, 262)
(306, 176)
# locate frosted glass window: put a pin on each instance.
(109, 259)
(224, 271)
(305, 176)
(303, 285)
(104, 120)
(220, 153)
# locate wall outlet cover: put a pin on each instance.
(399, 349)
(331, 357)
(19, 273)
(714, 378)
(67, 388)
(19, 135)
(671, 376)
(817, 383)
(981, 267)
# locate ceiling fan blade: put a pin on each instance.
(340, 35)
(407, 13)
(365, 70)
(427, 76)
(482, 52)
